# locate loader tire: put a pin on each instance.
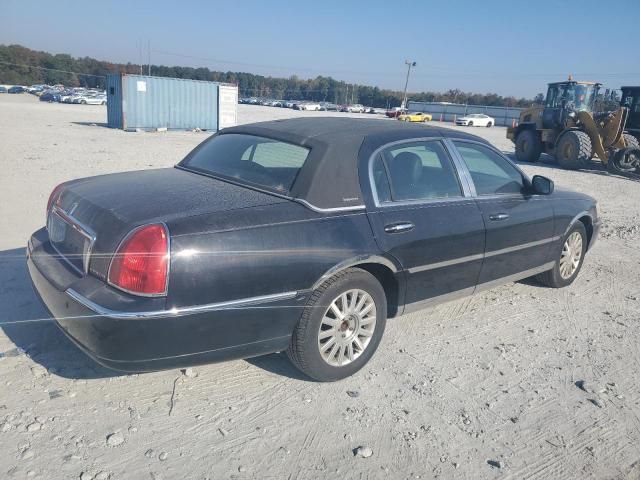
(631, 141)
(574, 150)
(528, 146)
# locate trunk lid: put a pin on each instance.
(92, 215)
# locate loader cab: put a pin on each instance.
(566, 98)
(631, 100)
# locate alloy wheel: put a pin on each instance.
(571, 255)
(347, 327)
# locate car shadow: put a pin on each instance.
(27, 323)
(547, 161)
(32, 330)
(279, 364)
(92, 124)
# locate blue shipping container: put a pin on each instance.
(145, 102)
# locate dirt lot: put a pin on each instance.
(479, 388)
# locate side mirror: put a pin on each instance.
(541, 185)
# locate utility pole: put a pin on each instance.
(406, 83)
(149, 53)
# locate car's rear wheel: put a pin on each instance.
(341, 326)
(489, 124)
(569, 260)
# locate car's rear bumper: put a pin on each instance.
(136, 335)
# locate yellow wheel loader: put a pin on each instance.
(567, 128)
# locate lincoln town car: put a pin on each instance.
(301, 236)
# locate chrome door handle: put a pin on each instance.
(498, 216)
(399, 227)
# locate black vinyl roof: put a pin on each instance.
(329, 178)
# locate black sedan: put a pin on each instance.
(300, 235)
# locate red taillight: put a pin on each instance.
(141, 264)
(53, 198)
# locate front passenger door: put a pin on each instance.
(519, 225)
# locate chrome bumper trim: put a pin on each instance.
(178, 311)
(480, 256)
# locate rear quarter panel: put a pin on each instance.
(260, 251)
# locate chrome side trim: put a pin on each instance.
(327, 210)
(465, 292)
(515, 277)
(446, 263)
(433, 301)
(479, 256)
(177, 311)
(522, 246)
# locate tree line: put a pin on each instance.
(22, 66)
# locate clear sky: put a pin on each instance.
(510, 47)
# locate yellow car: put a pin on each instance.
(415, 117)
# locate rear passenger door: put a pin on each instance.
(424, 217)
(519, 224)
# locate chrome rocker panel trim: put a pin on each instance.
(178, 311)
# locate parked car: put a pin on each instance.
(476, 120)
(49, 96)
(66, 97)
(328, 106)
(395, 111)
(355, 108)
(242, 250)
(420, 117)
(16, 89)
(3, 89)
(309, 106)
(90, 99)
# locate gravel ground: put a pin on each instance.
(518, 382)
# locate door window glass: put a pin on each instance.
(491, 173)
(421, 170)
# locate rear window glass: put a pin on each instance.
(258, 161)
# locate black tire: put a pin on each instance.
(489, 125)
(528, 146)
(552, 278)
(574, 150)
(303, 350)
(470, 124)
(631, 141)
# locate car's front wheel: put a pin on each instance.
(470, 124)
(341, 326)
(489, 124)
(568, 261)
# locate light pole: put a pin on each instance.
(406, 83)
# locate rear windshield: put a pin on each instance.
(258, 161)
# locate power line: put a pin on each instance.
(432, 69)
